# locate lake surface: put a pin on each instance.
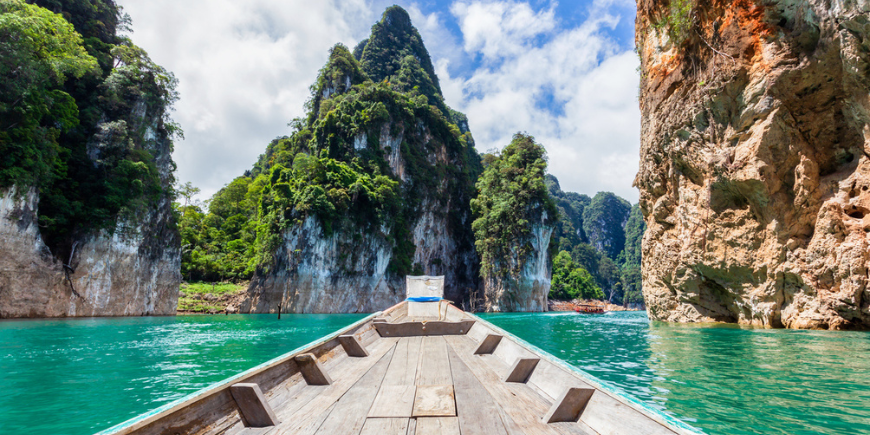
(724, 379)
(80, 376)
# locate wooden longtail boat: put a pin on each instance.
(589, 309)
(415, 368)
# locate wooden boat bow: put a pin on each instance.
(411, 369)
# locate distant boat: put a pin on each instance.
(589, 309)
(420, 367)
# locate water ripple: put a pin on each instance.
(724, 379)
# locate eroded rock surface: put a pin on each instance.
(528, 290)
(755, 175)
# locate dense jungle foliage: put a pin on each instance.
(81, 111)
(602, 236)
(335, 167)
(512, 198)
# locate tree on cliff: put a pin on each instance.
(38, 51)
(512, 198)
(571, 281)
(376, 150)
(67, 125)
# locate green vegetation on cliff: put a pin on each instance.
(512, 199)
(81, 112)
(571, 281)
(360, 161)
(602, 235)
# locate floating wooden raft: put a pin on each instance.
(416, 368)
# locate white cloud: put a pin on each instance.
(244, 68)
(530, 64)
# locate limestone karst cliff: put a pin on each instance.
(373, 185)
(514, 220)
(86, 221)
(755, 161)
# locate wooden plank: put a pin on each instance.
(488, 345)
(569, 405)
(509, 351)
(394, 401)
(522, 370)
(403, 367)
(551, 380)
(352, 346)
(349, 414)
(477, 411)
(434, 401)
(312, 370)
(255, 410)
(608, 416)
(522, 407)
(306, 412)
(385, 426)
(427, 328)
(434, 363)
(438, 426)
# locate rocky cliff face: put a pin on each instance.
(379, 114)
(347, 271)
(132, 270)
(755, 161)
(528, 290)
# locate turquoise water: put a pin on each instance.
(722, 379)
(84, 375)
(80, 376)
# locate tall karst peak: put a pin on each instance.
(340, 73)
(395, 52)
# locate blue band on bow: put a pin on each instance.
(424, 299)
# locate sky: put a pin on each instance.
(564, 72)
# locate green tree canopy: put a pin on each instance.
(570, 281)
(512, 197)
(38, 51)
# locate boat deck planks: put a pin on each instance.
(418, 385)
(437, 426)
(434, 367)
(386, 426)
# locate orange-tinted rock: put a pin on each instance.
(755, 175)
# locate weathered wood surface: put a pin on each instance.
(434, 401)
(569, 406)
(434, 366)
(438, 426)
(312, 370)
(522, 407)
(255, 410)
(522, 370)
(488, 345)
(394, 401)
(352, 346)
(477, 411)
(385, 426)
(306, 412)
(428, 328)
(349, 414)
